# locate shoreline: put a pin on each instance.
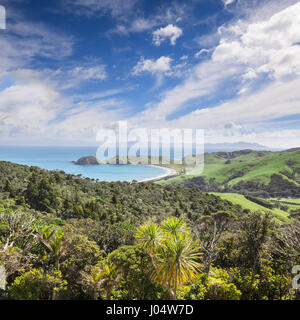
(168, 173)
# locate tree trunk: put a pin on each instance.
(95, 293)
(297, 295)
(108, 295)
(53, 294)
(208, 268)
(170, 291)
(57, 264)
(175, 287)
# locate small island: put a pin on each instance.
(87, 161)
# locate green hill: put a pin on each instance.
(246, 204)
(248, 171)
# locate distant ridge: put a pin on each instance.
(292, 150)
(237, 146)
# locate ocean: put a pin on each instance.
(60, 158)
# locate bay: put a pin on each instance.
(60, 158)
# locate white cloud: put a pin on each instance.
(116, 8)
(208, 40)
(247, 52)
(23, 41)
(168, 14)
(250, 118)
(29, 103)
(170, 32)
(202, 51)
(250, 74)
(82, 122)
(91, 73)
(142, 24)
(270, 46)
(136, 26)
(228, 2)
(277, 100)
(71, 77)
(32, 111)
(258, 10)
(201, 81)
(267, 46)
(161, 65)
(101, 95)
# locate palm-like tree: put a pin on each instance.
(94, 279)
(110, 276)
(175, 255)
(149, 237)
(173, 226)
(178, 262)
(106, 277)
(54, 241)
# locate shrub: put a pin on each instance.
(37, 285)
(217, 286)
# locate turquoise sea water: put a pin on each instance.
(60, 158)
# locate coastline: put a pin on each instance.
(168, 173)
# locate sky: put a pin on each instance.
(71, 67)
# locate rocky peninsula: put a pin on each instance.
(87, 161)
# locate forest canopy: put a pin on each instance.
(67, 237)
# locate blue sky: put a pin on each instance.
(71, 67)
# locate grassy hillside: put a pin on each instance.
(248, 170)
(240, 200)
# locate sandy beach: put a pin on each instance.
(168, 173)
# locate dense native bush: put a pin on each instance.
(37, 285)
(65, 237)
(69, 196)
(216, 286)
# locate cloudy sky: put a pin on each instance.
(71, 67)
